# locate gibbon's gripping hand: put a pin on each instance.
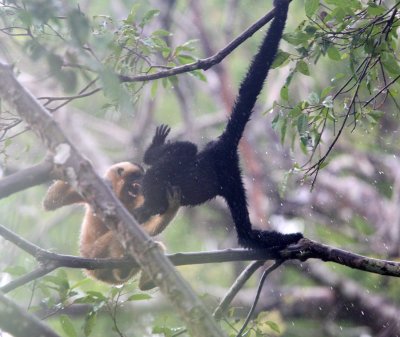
(173, 197)
(156, 148)
(161, 134)
(157, 223)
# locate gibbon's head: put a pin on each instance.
(126, 179)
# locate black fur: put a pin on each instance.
(215, 170)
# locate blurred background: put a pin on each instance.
(64, 51)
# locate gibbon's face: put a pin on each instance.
(126, 179)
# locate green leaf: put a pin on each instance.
(282, 187)
(295, 112)
(60, 282)
(35, 49)
(79, 26)
(313, 98)
(302, 67)
(148, 17)
(296, 38)
(161, 33)
(68, 79)
(374, 9)
(185, 59)
(55, 62)
(311, 7)
(89, 323)
(139, 297)
(284, 93)
(283, 130)
(274, 326)
(199, 74)
(280, 58)
(326, 91)
(302, 124)
(334, 53)
(67, 326)
(390, 63)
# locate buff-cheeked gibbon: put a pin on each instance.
(96, 240)
(215, 170)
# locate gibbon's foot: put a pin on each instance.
(258, 239)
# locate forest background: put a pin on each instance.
(320, 155)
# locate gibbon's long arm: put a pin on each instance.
(215, 170)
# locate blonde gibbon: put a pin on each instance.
(96, 240)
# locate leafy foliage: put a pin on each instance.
(362, 38)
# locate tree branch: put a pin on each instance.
(235, 288)
(304, 250)
(264, 276)
(208, 62)
(24, 179)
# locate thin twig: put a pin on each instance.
(235, 288)
(260, 286)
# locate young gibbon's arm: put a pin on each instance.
(215, 170)
(60, 194)
(96, 240)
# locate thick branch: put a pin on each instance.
(20, 323)
(24, 179)
(80, 174)
(208, 62)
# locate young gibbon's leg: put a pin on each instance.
(103, 247)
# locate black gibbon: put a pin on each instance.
(96, 240)
(215, 170)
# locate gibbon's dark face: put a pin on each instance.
(126, 179)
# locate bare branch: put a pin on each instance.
(24, 179)
(236, 287)
(264, 276)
